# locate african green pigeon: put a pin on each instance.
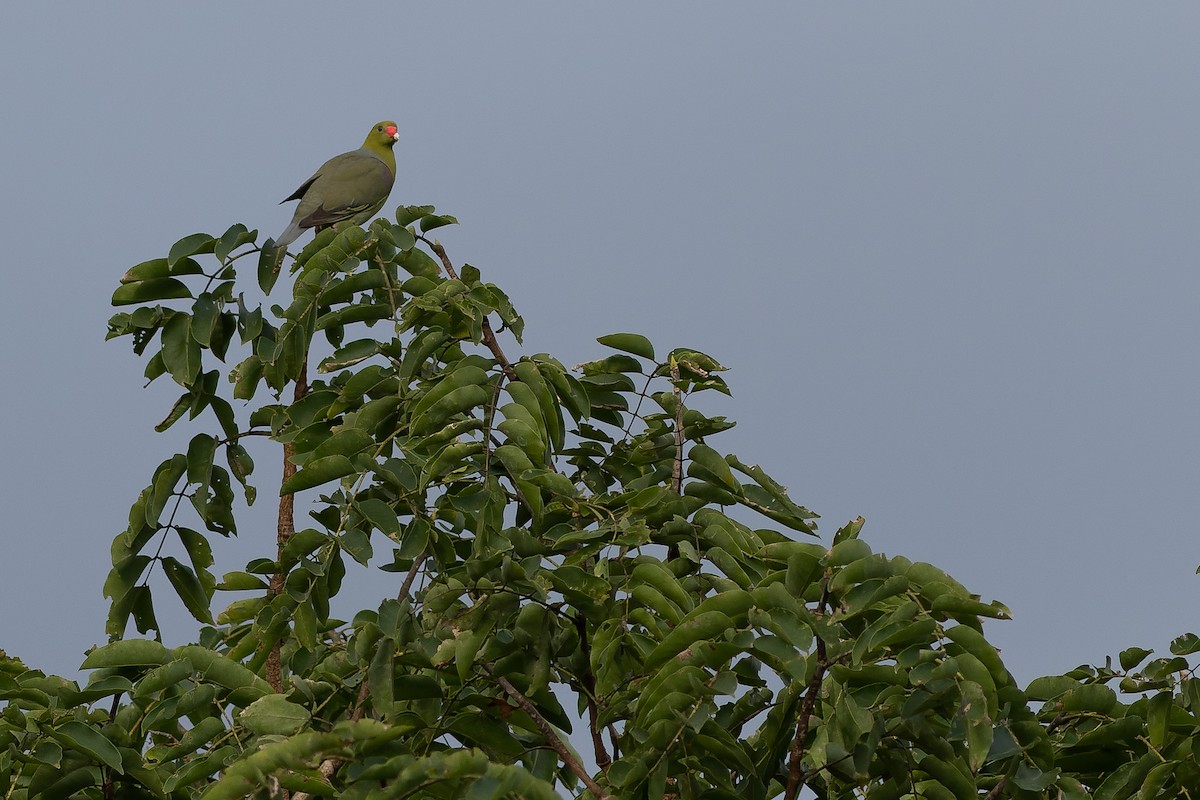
(352, 186)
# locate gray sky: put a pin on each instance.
(947, 250)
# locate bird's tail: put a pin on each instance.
(289, 235)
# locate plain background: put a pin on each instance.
(948, 252)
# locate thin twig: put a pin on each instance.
(243, 435)
(796, 778)
(552, 738)
(997, 789)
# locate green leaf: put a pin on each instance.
(1050, 687)
(1123, 781)
(274, 714)
(949, 776)
(698, 627)
(270, 262)
(222, 670)
(959, 607)
(1157, 778)
(242, 466)
(200, 768)
(201, 451)
(1133, 656)
(406, 215)
(974, 643)
(200, 735)
(710, 465)
(432, 221)
(163, 487)
(302, 543)
(358, 545)
(629, 342)
(381, 675)
(1095, 698)
(464, 376)
(1185, 644)
(181, 353)
(206, 317)
(231, 239)
(1158, 718)
(241, 582)
(87, 739)
(350, 355)
(403, 237)
(1032, 779)
(189, 246)
(415, 539)
(198, 550)
(127, 653)
(317, 472)
(160, 268)
(609, 371)
(1003, 745)
(381, 515)
(458, 401)
(770, 498)
(189, 589)
(150, 291)
(979, 723)
(346, 442)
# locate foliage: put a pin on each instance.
(572, 556)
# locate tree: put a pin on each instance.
(571, 554)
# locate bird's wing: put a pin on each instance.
(343, 187)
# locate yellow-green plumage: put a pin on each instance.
(350, 187)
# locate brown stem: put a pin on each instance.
(677, 465)
(440, 251)
(108, 788)
(552, 738)
(589, 687)
(997, 789)
(410, 577)
(796, 778)
(286, 528)
(489, 340)
(677, 460)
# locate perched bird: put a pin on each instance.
(352, 186)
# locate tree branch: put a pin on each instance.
(286, 528)
(677, 465)
(552, 738)
(489, 337)
(440, 251)
(796, 779)
(411, 576)
(589, 686)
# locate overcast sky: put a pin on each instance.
(948, 252)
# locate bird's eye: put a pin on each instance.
(379, 128)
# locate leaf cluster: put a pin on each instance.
(577, 567)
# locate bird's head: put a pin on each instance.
(383, 134)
